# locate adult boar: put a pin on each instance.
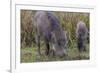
(48, 27)
(81, 35)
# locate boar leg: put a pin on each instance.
(47, 47)
(84, 45)
(38, 43)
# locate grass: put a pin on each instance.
(30, 54)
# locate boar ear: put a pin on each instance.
(66, 36)
(53, 37)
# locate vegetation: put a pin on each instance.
(68, 20)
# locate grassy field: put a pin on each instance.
(68, 22)
(29, 55)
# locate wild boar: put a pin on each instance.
(48, 27)
(81, 35)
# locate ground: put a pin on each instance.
(29, 55)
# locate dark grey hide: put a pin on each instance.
(81, 35)
(48, 27)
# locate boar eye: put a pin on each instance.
(59, 43)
